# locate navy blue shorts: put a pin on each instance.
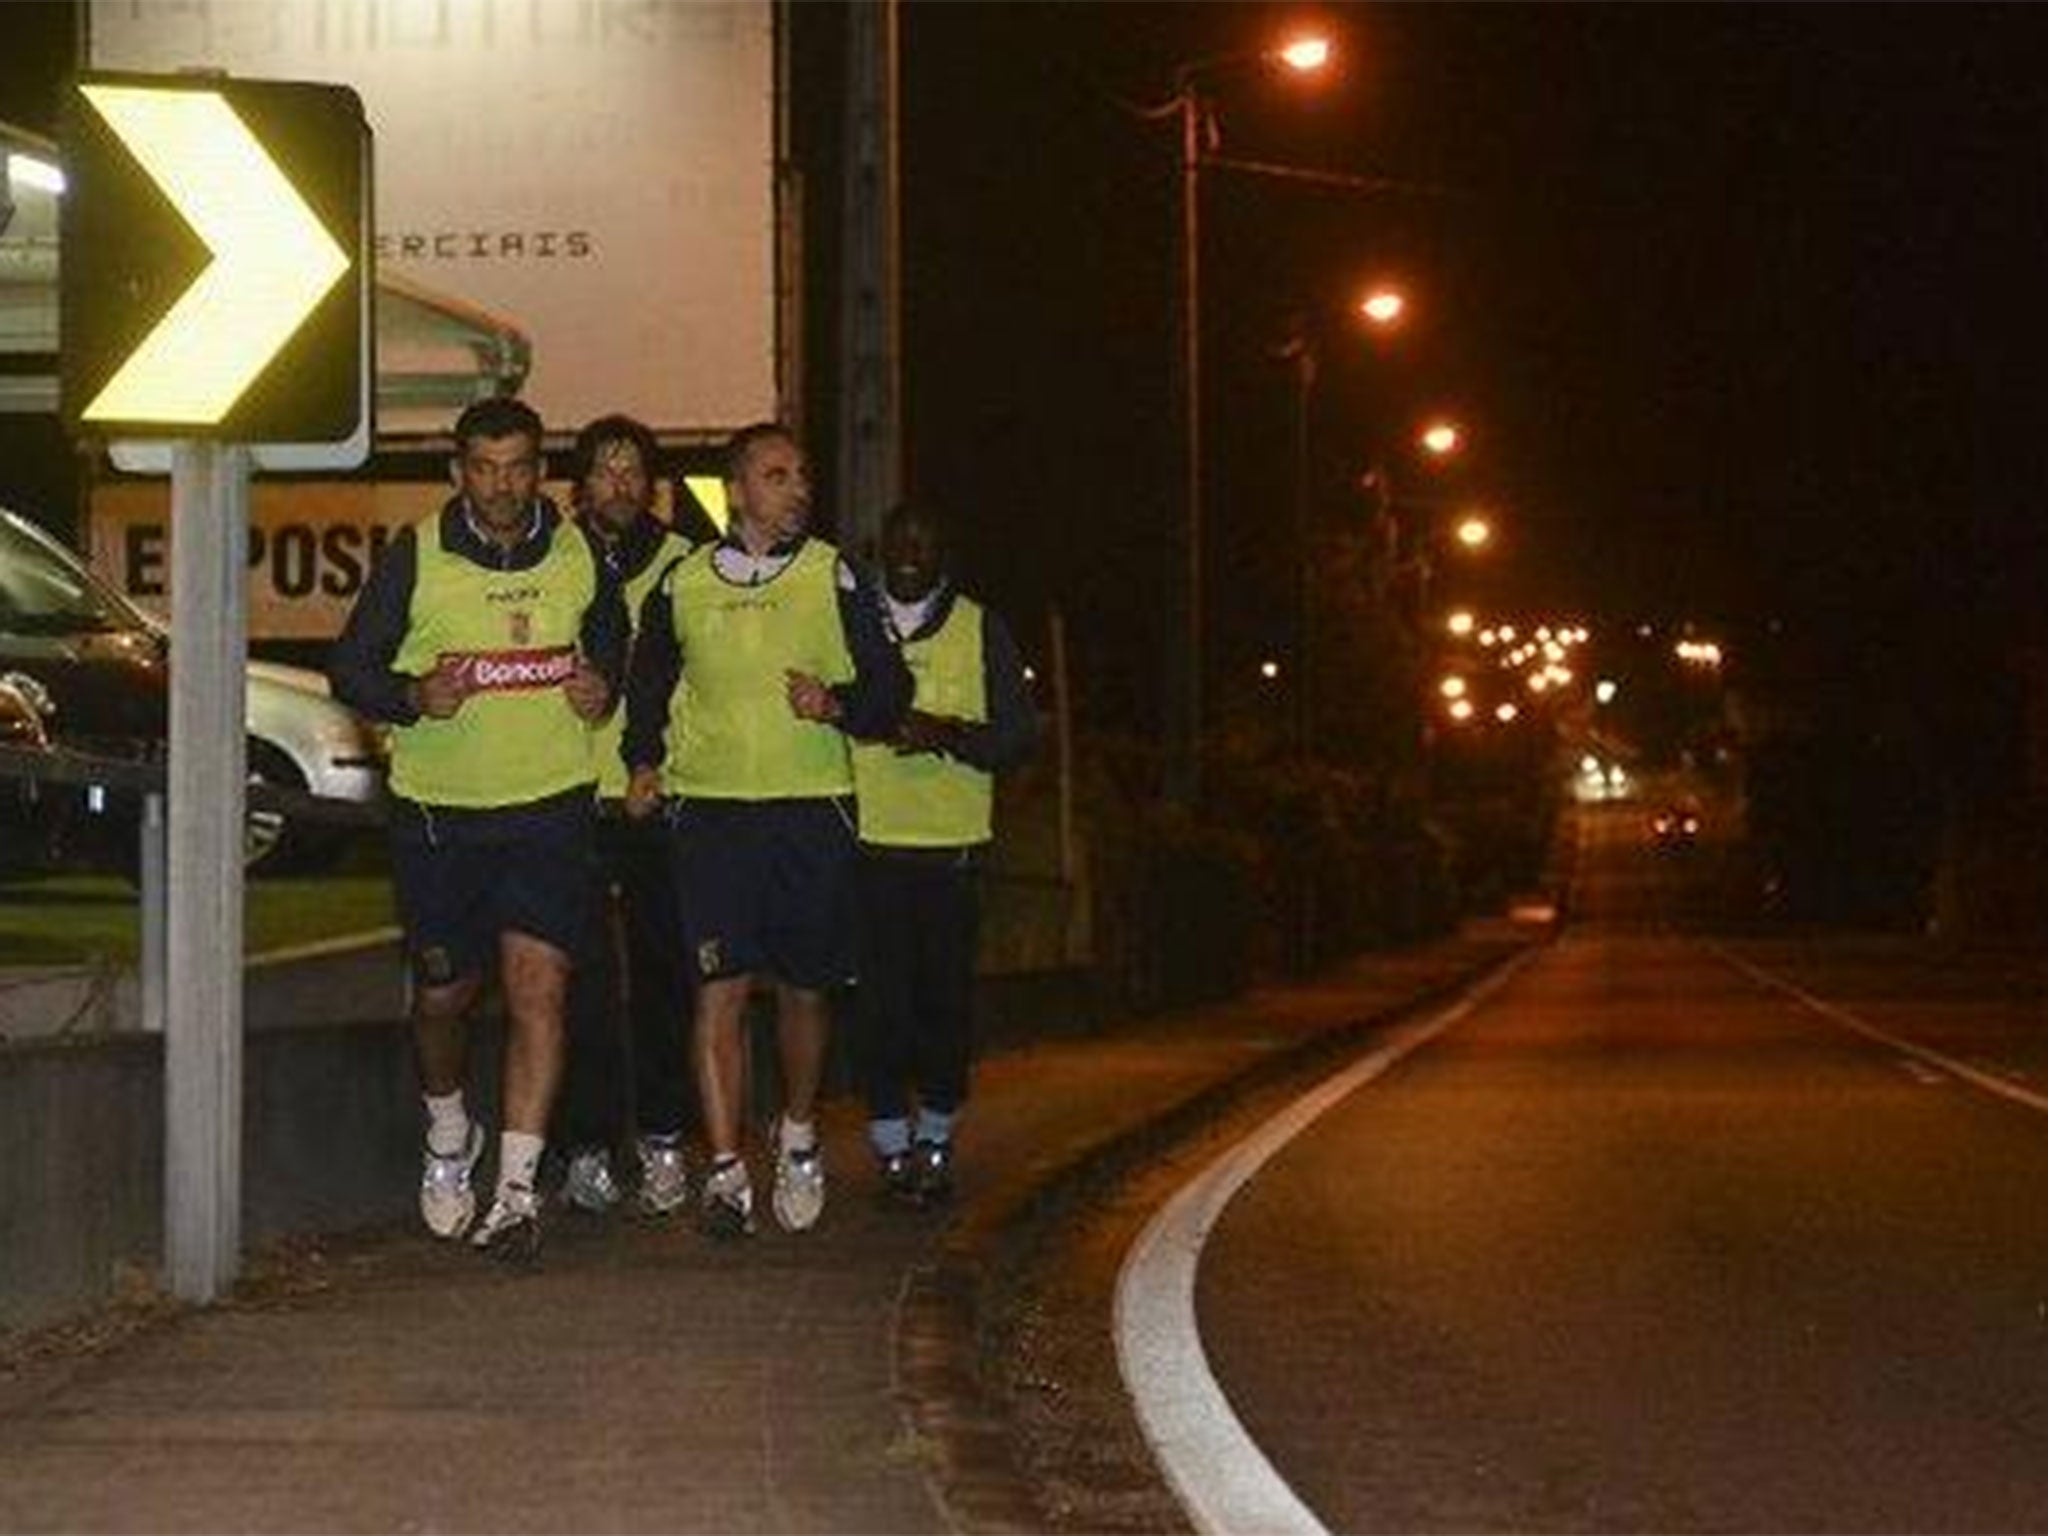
(463, 877)
(766, 886)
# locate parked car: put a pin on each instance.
(31, 825)
(94, 670)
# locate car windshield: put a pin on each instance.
(44, 590)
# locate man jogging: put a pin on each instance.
(489, 638)
(927, 803)
(756, 657)
(630, 966)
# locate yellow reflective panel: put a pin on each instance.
(710, 493)
(273, 261)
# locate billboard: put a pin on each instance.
(311, 544)
(599, 173)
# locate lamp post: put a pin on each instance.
(1184, 672)
(1382, 309)
(1472, 532)
(1184, 652)
(1302, 353)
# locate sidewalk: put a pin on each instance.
(644, 1379)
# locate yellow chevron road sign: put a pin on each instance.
(215, 256)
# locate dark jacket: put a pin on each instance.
(1010, 734)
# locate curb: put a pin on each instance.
(940, 1342)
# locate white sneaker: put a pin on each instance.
(726, 1206)
(589, 1185)
(447, 1203)
(799, 1188)
(664, 1178)
(511, 1227)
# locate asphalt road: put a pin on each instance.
(1669, 1234)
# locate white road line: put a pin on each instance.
(1977, 1077)
(1222, 1478)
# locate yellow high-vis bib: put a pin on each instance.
(514, 633)
(924, 800)
(731, 734)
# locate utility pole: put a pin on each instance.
(871, 338)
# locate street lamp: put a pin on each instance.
(1471, 533)
(1184, 669)
(1306, 53)
(1381, 309)
(1441, 439)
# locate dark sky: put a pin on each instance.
(1741, 303)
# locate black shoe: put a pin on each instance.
(725, 1206)
(899, 1179)
(510, 1230)
(932, 1165)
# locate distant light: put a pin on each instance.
(1383, 306)
(1452, 687)
(1031, 674)
(1507, 633)
(1461, 709)
(1306, 54)
(1698, 653)
(1538, 683)
(1269, 670)
(28, 171)
(1488, 638)
(1474, 532)
(1605, 690)
(1590, 766)
(1441, 438)
(1460, 623)
(1505, 713)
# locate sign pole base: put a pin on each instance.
(208, 799)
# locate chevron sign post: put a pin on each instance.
(213, 302)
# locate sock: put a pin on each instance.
(447, 1123)
(889, 1138)
(796, 1135)
(518, 1158)
(936, 1124)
